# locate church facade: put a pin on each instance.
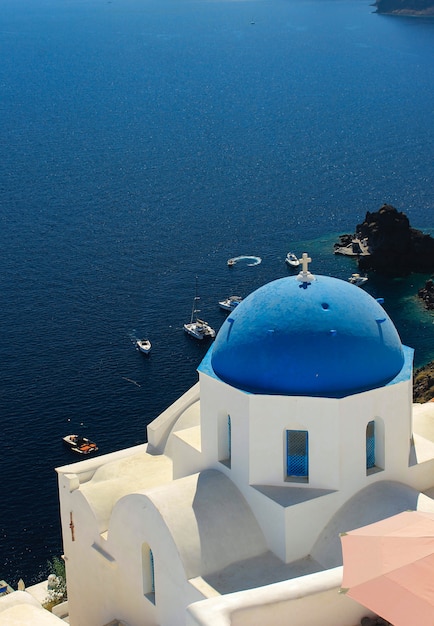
(300, 427)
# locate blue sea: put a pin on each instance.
(142, 144)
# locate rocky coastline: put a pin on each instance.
(423, 384)
(427, 294)
(391, 246)
(409, 8)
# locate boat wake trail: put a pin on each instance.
(130, 380)
(255, 260)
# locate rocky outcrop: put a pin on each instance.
(423, 384)
(395, 248)
(427, 294)
(406, 7)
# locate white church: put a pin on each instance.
(300, 427)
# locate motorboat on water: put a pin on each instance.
(80, 445)
(230, 303)
(143, 345)
(357, 279)
(197, 328)
(247, 258)
(292, 260)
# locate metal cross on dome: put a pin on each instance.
(305, 276)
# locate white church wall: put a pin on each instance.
(258, 425)
(214, 409)
(290, 529)
(91, 587)
(240, 445)
(103, 580)
(187, 419)
(304, 522)
(321, 417)
(421, 475)
(307, 601)
(393, 404)
(159, 429)
(133, 593)
(271, 518)
(186, 452)
(388, 408)
(72, 476)
(194, 526)
(421, 463)
(146, 595)
(355, 414)
(218, 402)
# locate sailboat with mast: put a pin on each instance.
(197, 328)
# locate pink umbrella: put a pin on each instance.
(389, 568)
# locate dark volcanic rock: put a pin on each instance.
(427, 294)
(405, 7)
(395, 248)
(423, 384)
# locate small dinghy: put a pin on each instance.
(143, 345)
(80, 445)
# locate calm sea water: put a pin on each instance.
(143, 143)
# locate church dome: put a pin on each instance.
(321, 337)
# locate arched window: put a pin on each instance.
(375, 446)
(297, 455)
(370, 445)
(148, 573)
(151, 566)
(229, 438)
(225, 440)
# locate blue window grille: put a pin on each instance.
(297, 457)
(370, 445)
(151, 566)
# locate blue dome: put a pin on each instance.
(325, 338)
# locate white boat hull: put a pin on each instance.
(144, 345)
(197, 328)
(199, 331)
(230, 303)
(357, 280)
(292, 260)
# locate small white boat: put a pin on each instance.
(292, 260)
(143, 345)
(230, 303)
(356, 279)
(197, 328)
(80, 445)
